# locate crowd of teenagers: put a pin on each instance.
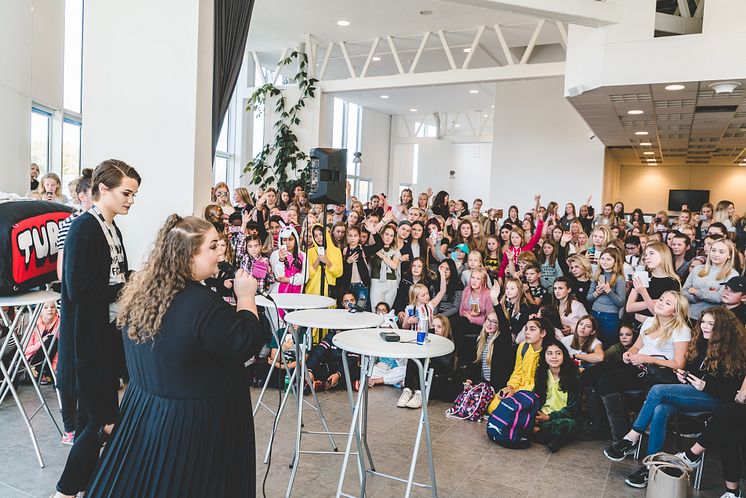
(590, 310)
(576, 315)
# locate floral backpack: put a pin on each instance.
(472, 402)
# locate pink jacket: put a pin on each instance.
(485, 306)
(41, 330)
(513, 252)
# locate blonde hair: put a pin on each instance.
(53, 176)
(414, 291)
(447, 331)
(481, 271)
(679, 320)
(583, 262)
(243, 194)
(148, 295)
(520, 298)
(727, 267)
(485, 341)
(666, 259)
(606, 232)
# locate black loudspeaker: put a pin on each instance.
(328, 175)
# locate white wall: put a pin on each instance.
(541, 145)
(47, 50)
(473, 166)
(147, 90)
(375, 139)
(15, 94)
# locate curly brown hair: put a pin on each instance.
(148, 295)
(726, 348)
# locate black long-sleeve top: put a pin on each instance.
(503, 355)
(718, 385)
(364, 254)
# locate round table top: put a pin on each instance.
(295, 301)
(29, 298)
(369, 342)
(334, 319)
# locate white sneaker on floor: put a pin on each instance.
(693, 464)
(730, 494)
(415, 401)
(406, 395)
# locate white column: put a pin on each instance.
(15, 95)
(147, 100)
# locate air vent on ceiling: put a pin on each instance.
(715, 108)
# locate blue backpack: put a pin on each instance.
(512, 419)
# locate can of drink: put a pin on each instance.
(421, 335)
(422, 329)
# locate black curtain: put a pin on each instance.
(232, 19)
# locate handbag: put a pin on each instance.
(668, 476)
(656, 374)
(471, 403)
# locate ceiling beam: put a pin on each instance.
(676, 24)
(473, 48)
(590, 13)
(449, 77)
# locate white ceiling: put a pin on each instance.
(689, 126)
(451, 98)
(277, 24)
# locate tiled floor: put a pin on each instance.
(467, 463)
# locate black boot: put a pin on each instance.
(616, 413)
(599, 429)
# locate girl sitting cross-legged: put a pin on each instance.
(558, 388)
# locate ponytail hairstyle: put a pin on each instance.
(148, 295)
(85, 181)
(110, 173)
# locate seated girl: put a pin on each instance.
(583, 345)
(419, 273)
(443, 367)
(475, 304)
(222, 281)
(538, 331)
(514, 305)
(325, 367)
(726, 432)
(494, 352)
(388, 371)
(570, 309)
(558, 388)
(451, 301)
(663, 342)
(704, 287)
(550, 313)
(715, 367)
(420, 305)
(46, 330)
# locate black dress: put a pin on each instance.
(185, 427)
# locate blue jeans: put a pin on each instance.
(360, 291)
(665, 400)
(608, 327)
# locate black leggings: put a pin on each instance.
(727, 432)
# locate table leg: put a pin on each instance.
(425, 381)
(356, 407)
(321, 413)
(279, 412)
(271, 370)
(364, 424)
(300, 363)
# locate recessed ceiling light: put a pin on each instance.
(645, 144)
(342, 22)
(413, 109)
(457, 126)
(649, 153)
(384, 96)
(376, 59)
(484, 115)
(467, 50)
(675, 87)
(473, 91)
(641, 133)
(635, 111)
(492, 106)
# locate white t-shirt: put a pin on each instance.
(567, 341)
(650, 345)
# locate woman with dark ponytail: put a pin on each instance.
(91, 359)
(185, 427)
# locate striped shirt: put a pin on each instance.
(64, 226)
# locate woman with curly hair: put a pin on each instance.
(187, 409)
(715, 366)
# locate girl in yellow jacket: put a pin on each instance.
(330, 260)
(526, 360)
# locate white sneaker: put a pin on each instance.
(693, 464)
(730, 494)
(406, 395)
(416, 400)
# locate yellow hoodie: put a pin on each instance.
(333, 271)
(524, 372)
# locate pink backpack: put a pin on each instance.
(472, 403)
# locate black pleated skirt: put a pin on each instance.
(164, 447)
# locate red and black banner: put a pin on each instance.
(28, 243)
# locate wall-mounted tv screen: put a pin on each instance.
(692, 198)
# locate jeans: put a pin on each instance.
(360, 291)
(727, 433)
(608, 325)
(665, 400)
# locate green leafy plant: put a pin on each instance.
(281, 162)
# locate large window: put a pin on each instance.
(346, 133)
(220, 167)
(70, 151)
(41, 138)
